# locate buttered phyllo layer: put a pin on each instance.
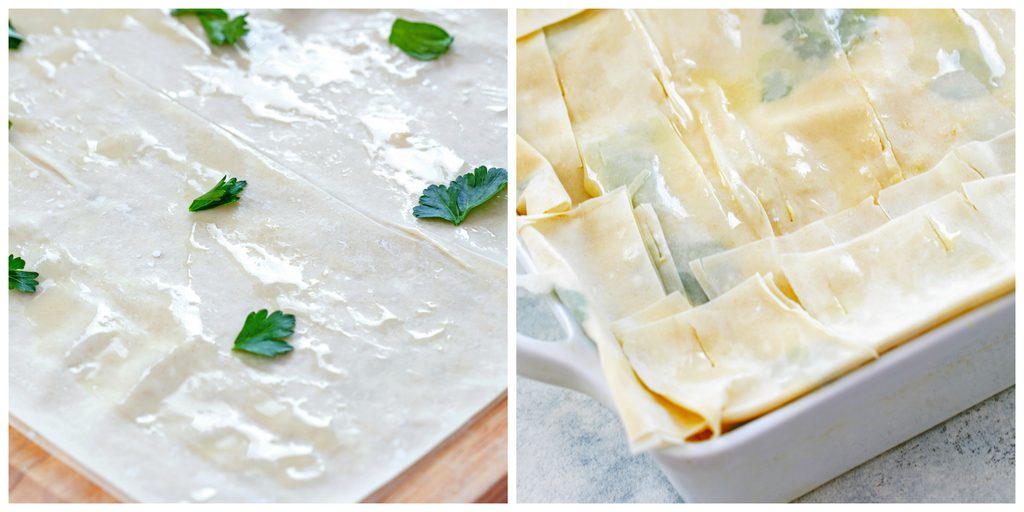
(740, 205)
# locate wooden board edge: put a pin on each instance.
(478, 451)
(36, 476)
(471, 465)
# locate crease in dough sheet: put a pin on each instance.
(995, 31)
(993, 157)
(624, 127)
(674, 302)
(543, 120)
(600, 282)
(936, 80)
(658, 248)
(945, 177)
(325, 95)
(729, 368)
(791, 125)
(537, 187)
(529, 21)
(721, 272)
(130, 331)
(940, 259)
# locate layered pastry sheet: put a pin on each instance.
(825, 184)
(316, 92)
(122, 359)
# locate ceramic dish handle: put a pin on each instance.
(571, 363)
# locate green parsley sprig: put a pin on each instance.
(422, 41)
(224, 192)
(214, 13)
(804, 40)
(454, 201)
(852, 26)
(18, 278)
(14, 39)
(220, 27)
(263, 334)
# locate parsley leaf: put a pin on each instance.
(454, 202)
(222, 193)
(423, 41)
(480, 186)
(774, 86)
(441, 202)
(264, 334)
(852, 25)
(219, 26)
(18, 278)
(805, 41)
(14, 39)
(216, 13)
(774, 16)
(808, 43)
(224, 31)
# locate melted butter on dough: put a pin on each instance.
(301, 86)
(819, 178)
(721, 272)
(807, 150)
(130, 332)
(940, 260)
(538, 188)
(925, 107)
(729, 367)
(600, 279)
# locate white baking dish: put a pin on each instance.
(790, 451)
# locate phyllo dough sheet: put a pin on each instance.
(532, 20)
(915, 271)
(122, 359)
(774, 104)
(936, 78)
(721, 272)
(596, 261)
(625, 128)
(729, 367)
(811, 188)
(542, 119)
(324, 95)
(538, 189)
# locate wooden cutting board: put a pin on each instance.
(470, 466)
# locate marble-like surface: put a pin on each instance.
(570, 448)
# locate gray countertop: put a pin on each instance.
(570, 448)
